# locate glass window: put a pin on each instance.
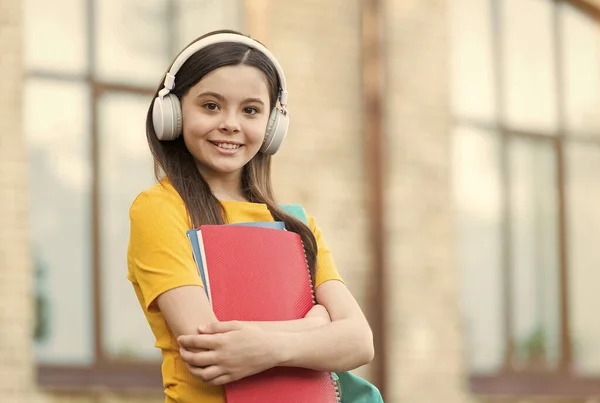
(583, 231)
(80, 196)
(132, 40)
(580, 35)
(472, 66)
(126, 168)
(528, 65)
(538, 178)
(57, 127)
(535, 253)
(55, 36)
(477, 197)
(197, 17)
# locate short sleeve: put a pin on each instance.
(160, 255)
(326, 269)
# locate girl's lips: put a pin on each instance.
(226, 151)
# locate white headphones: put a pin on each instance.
(166, 111)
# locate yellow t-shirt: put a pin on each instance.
(160, 258)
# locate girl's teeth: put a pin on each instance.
(228, 146)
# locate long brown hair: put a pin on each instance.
(179, 166)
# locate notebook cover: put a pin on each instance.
(261, 274)
(192, 236)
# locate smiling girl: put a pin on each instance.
(218, 116)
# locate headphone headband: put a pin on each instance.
(169, 83)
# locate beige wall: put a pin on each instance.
(424, 328)
(322, 162)
(16, 375)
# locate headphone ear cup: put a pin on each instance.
(166, 117)
(177, 119)
(276, 131)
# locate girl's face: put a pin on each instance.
(225, 116)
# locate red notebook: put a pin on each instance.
(261, 274)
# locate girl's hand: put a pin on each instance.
(319, 313)
(224, 352)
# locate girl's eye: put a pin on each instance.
(211, 106)
(250, 110)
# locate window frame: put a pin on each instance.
(560, 381)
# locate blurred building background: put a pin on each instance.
(450, 151)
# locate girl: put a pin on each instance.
(211, 130)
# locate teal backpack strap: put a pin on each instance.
(352, 388)
(357, 390)
(295, 210)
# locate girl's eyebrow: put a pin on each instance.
(211, 94)
(255, 100)
(222, 98)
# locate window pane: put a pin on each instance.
(126, 169)
(55, 35)
(535, 260)
(57, 125)
(472, 66)
(528, 65)
(581, 59)
(477, 197)
(583, 233)
(132, 41)
(197, 17)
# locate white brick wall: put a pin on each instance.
(319, 46)
(425, 362)
(321, 165)
(16, 369)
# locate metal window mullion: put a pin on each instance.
(505, 183)
(99, 354)
(566, 354)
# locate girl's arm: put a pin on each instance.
(234, 350)
(187, 308)
(344, 344)
(315, 318)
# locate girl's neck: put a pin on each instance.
(223, 194)
(226, 187)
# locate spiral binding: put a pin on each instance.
(312, 286)
(335, 383)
